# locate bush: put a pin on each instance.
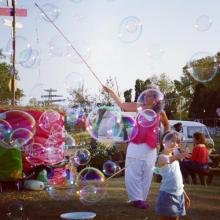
(100, 153)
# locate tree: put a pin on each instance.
(104, 98)
(5, 76)
(80, 97)
(128, 95)
(206, 97)
(140, 86)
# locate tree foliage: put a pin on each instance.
(206, 96)
(128, 95)
(104, 98)
(5, 76)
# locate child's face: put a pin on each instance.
(171, 142)
(149, 99)
(171, 145)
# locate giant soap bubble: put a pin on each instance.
(151, 99)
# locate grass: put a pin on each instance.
(38, 205)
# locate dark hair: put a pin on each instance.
(199, 137)
(161, 141)
(178, 126)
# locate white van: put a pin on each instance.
(188, 129)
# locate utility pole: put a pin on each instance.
(13, 11)
(50, 97)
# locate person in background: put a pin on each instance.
(199, 160)
(172, 199)
(178, 127)
(141, 152)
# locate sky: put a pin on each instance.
(122, 39)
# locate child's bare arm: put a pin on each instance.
(187, 200)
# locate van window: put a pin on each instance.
(192, 129)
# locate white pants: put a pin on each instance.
(138, 176)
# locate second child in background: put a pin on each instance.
(199, 160)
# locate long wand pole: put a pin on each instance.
(69, 42)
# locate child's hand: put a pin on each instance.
(106, 89)
(187, 202)
(183, 155)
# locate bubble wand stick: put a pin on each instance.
(69, 42)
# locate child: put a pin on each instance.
(172, 199)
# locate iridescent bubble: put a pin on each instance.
(47, 119)
(130, 29)
(90, 194)
(171, 139)
(33, 61)
(151, 99)
(23, 49)
(5, 130)
(15, 211)
(59, 187)
(74, 116)
(61, 193)
(103, 123)
(52, 155)
(81, 49)
(57, 128)
(203, 23)
(218, 111)
(202, 66)
(127, 128)
(51, 11)
(109, 168)
(155, 52)
(55, 140)
(147, 118)
(20, 136)
(82, 156)
(90, 176)
(74, 81)
(57, 178)
(69, 141)
(20, 119)
(58, 46)
(34, 152)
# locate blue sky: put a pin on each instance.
(167, 41)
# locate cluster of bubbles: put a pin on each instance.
(203, 66)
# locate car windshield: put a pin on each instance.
(192, 129)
